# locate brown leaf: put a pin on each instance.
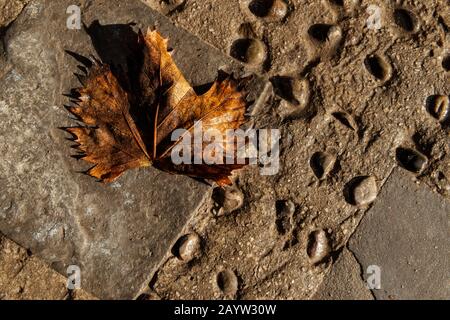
(109, 139)
(221, 108)
(130, 129)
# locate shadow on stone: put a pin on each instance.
(122, 48)
(119, 46)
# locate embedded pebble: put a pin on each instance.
(438, 106)
(446, 63)
(228, 199)
(295, 94)
(188, 247)
(406, 20)
(319, 32)
(411, 159)
(378, 67)
(284, 211)
(227, 282)
(322, 164)
(267, 10)
(322, 32)
(361, 191)
(318, 248)
(250, 51)
(327, 38)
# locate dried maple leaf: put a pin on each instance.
(130, 126)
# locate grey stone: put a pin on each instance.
(344, 281)
(116, 233)
(406, 235)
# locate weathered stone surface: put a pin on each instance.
(26, 277)
(406, 235)
(10, 9)
(116, 233)
(344, 281)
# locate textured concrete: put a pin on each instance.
(368, 91)
(116, 233)
(406, 234)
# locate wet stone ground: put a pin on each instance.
(363, 107)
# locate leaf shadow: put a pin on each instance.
(118, 46)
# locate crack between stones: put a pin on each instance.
(357, 226)
(149, 282)
(361, 271)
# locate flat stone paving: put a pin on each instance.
(406, 235)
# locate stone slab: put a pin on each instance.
(406, 234)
